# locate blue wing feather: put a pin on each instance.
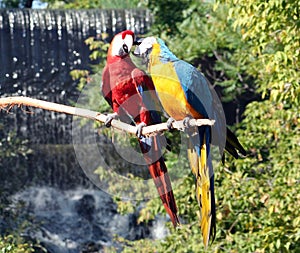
(149, 102)
(199, 94)
(195, 87)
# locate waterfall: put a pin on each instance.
(38, 49)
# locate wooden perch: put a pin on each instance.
(85, 113)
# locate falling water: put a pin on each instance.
(77, 220)
(38, 49)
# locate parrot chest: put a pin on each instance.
(124, 91)
(121, 83)
(170, 92)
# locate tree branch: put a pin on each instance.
(85, 113)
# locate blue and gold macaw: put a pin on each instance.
(185, 93)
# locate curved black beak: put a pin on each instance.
(137, 52)
(137, 43)
(137, 49)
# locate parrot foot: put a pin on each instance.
(110, 117)
(139, 129)
(170, 122)
(186, 122)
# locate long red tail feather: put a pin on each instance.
(159, 173)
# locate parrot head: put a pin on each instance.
(121, 45)
(144, 48)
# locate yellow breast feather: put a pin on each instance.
(170, 92)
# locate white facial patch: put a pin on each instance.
(146, 44)
(118, 44)
(128, 40)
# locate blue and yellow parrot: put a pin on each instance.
(130, 93)
(185, 93)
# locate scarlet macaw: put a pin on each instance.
(126, 89)
(185, 93)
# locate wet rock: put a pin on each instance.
(85, 207)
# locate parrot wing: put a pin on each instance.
(200, 97)
(106, 89)
(146, 89)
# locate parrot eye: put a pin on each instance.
(125, 48)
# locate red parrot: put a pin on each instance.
(127, 88)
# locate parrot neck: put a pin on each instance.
(155, 55)
(161, 54)
(115, 58)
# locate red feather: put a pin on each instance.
(127, 32)
(121, 79)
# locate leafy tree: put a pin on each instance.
(243, 50)
(10, 244)
(271, 127)
(166, 18)
(92, 4)
(254, 45)
(244, 47)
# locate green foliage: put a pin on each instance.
(166, 18)
(241, 46)
(271, 127)
(93, 4)
(12, 146)
(98, 49)
(10, 3)
(255, 46)
(207, 40)
(119, 4)
(272, 33)
(83, 4)
(11, 244)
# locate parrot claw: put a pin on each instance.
(186, 122)
(170, 122)
(110, 117)
(139, 129)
